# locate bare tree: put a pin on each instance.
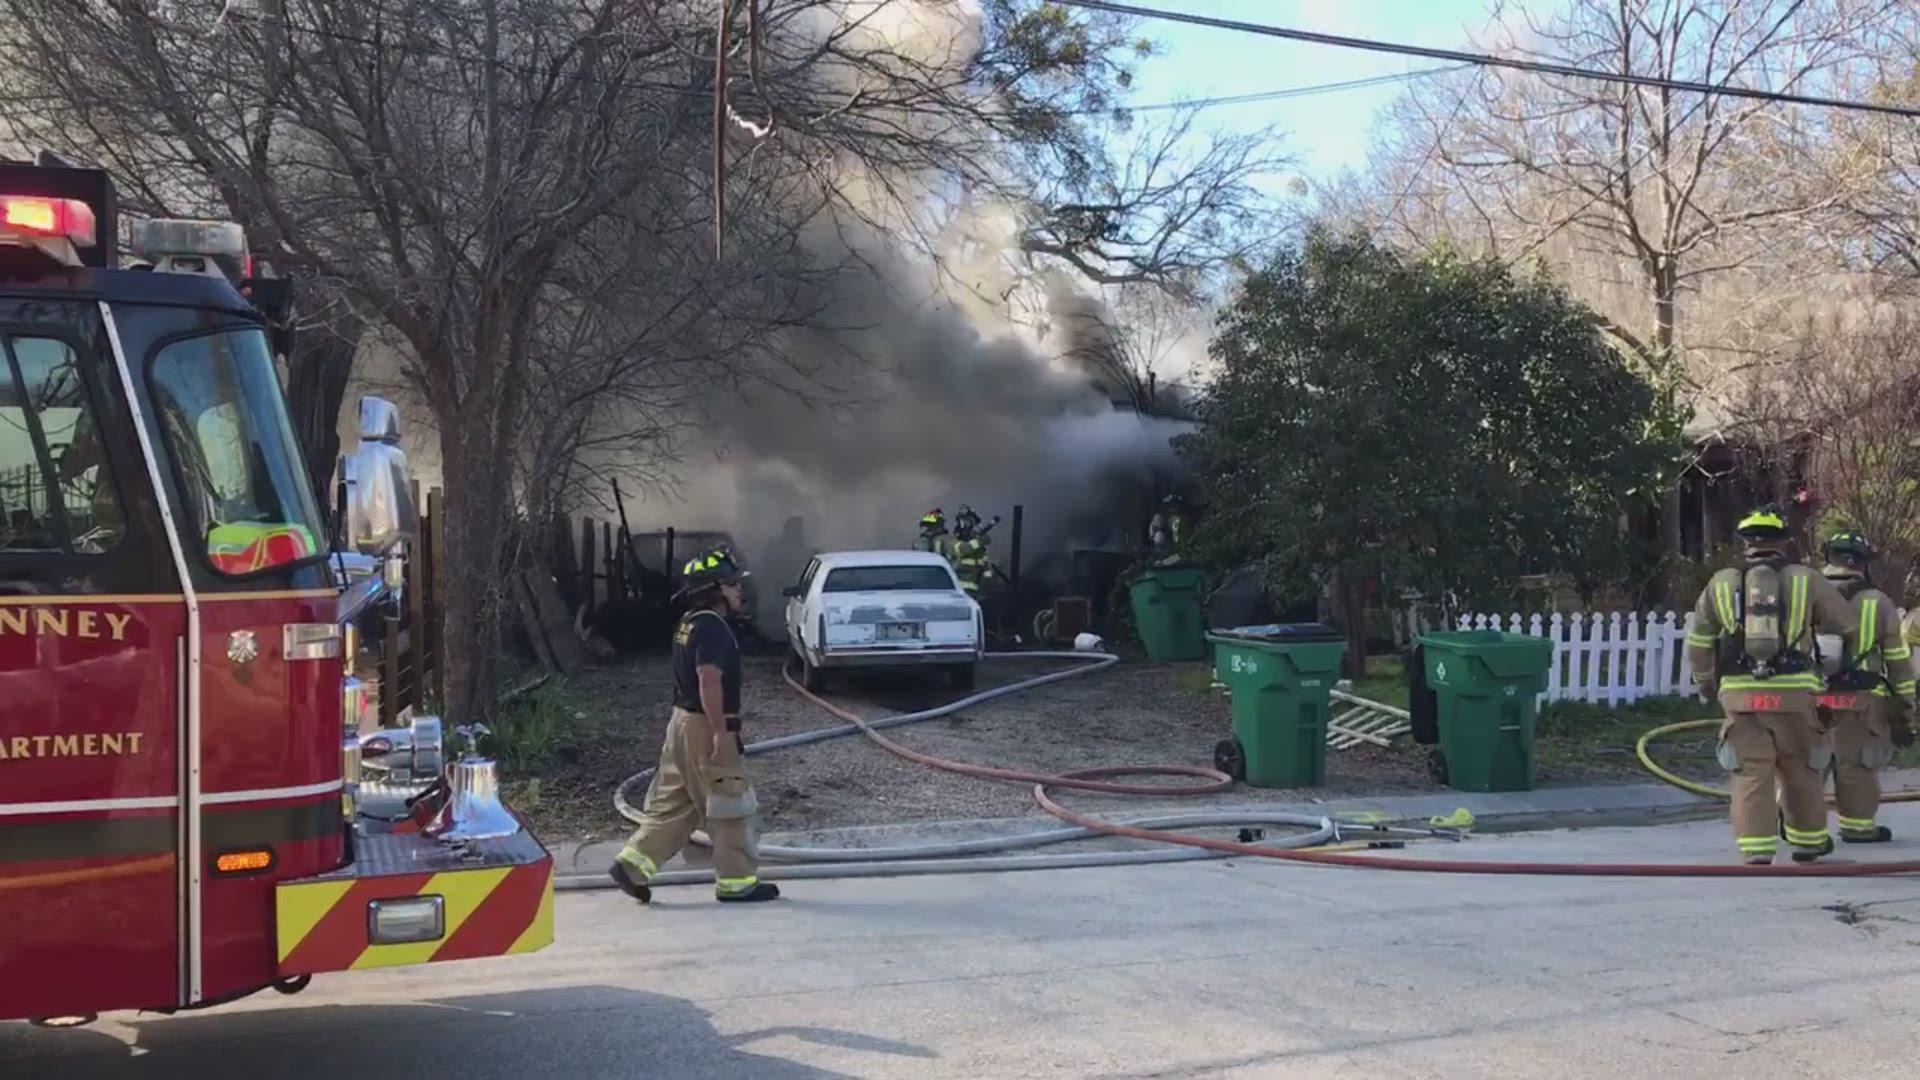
(1650, 194)
(1874, 160)
(525, 195)
(1129, 342)
(1849, 404)
(1160, 212)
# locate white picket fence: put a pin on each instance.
(1611, 658)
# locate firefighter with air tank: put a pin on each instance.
(1753, 645)
(1869, 698)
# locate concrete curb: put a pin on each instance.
(1494, 812)
(1583, 807)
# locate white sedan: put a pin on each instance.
(858, 609)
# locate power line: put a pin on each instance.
(705, 92)
(1488, 60)
(1282, 93)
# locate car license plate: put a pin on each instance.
(899, 631)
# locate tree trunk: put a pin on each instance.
(1666, 296)
(1352, 603)
(476, 534)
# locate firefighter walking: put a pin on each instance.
(1752, 646)
(701, 780)
(1870, 697)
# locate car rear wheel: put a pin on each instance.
(811, 677)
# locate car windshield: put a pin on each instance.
(889, 579)
(220, 409)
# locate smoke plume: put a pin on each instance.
(918, 398)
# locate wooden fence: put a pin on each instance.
(409, 656)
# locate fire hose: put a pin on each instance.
(1308, 848)
(966, 856)
(1705, 790)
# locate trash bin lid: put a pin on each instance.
(1505, 655)
(1283, 633)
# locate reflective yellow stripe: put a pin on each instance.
(1855, 824)
(1804, 681)
(1806, 839)
(1898, 652)
(1758, 844)
(1796, 611)
(638, 861)
(736, 884)
(1869, 625)
(1723, 601)
(1700, 641)
(1904, 688)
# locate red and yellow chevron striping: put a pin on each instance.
(498, 911)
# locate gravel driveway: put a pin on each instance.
(1136, 713)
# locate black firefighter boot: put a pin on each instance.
(758, 891)
(1879, 834)
(630, 881)
(1810, 854)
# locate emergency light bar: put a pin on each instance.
(183, 236)
(56, 228)
(38, 217)
(66, 214)
(184, 245)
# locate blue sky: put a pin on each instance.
(1327, 131)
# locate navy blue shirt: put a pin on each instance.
(705, 638)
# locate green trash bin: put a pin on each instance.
(1168, 611)
(1280, 678)
(1486, 686)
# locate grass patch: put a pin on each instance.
(1574, 737)
(1386, 682)
(1196, 680)
(536, 730)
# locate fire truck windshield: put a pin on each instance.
(220, 409)
(55, 494)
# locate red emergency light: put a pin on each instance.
(68, 218)
(65, 219)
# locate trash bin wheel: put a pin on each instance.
(1230, 759)
(1437, 766)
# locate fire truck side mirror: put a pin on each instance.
(273, 298)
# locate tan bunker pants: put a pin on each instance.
(1862, 746)
(690, 792)
(1786, 747)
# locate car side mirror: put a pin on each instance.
(791, 592)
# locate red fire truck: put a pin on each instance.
(179, 743)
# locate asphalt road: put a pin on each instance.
(1213, 969)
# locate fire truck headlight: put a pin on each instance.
(406, 921)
